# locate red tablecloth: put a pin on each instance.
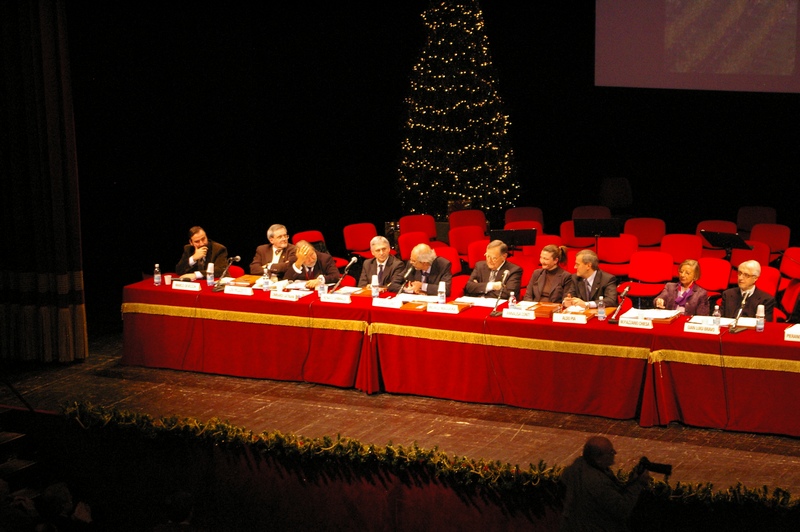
(250, 336)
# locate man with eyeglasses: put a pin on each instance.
(430, 270)
(747, 292)
(275, 256)
(486, 279)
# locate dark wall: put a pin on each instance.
(235, 118)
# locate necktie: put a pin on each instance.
(380, 274)
(492, 276)
(425, 277)
(308, 273)
(588, 289)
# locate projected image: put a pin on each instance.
(731, 36)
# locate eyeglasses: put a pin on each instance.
(747, 275)
(281, 237)
(493, 257)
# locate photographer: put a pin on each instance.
(595, 499)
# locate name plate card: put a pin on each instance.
(565, 317)
(284, 296)
(387, 302)
(792, 334)
(519, 314)
(636, 323)
(443, 308)
(336, 298)
(186, 285)
(238, 290)
(702, 328)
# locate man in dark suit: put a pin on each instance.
(309, 264)
(199, 253)
(589, 283)
(277, 256)
(732, 298)
(486, 279)
(389, 269)
(430, 271)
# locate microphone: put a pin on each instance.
(494, 311)
(218, 287)
(622, 297)
(405, 277)
(734, 329)
(352, 261)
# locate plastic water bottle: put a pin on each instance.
(375, 288)
(760, 319)
(441, 294)
(512, 301)
(157, 276)
(601, 309)
(322, 288)
(716, 316)
(265, 281)
(210, 275)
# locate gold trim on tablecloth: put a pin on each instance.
(245, 317)
(729, 362)
(492, 340)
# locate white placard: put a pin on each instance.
(702, 328)
(186, 285)
(565, 317)
(519, 314)
(636, 323)
(792, 334)
(443, 308)
(239, 290)
(387, 302)
(284, 296)
(336, 298)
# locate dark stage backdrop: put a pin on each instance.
(237, 117)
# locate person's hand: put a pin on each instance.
(659, 303)
(311, 284)
(82, 513)
(497, 285)
(302, 254)
(200, 253)
(416, 287)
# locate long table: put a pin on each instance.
(742, 382)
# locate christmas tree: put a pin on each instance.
(456, 152)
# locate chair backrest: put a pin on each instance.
(776, 236)
(520, 214)
(616, 249)
(310, 236)
(476, 251)
(407, 241)
(235, 271)
(541, 242)
(650, 267)
(468, 217)
(789, 298)
(649, 231)
(591, 211)
(750, 215)
(357, 236)
(569, 239)
(460, 237)
(682, 246)
(759, 252)
(451, 254)
(715, 274)
(418, 222)
(528, 265)
(769, 280)
(524, 224)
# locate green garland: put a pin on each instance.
(536, 484)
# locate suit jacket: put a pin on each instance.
(440, 271)
(325, 265)
(604, 285)
(217, 253)
(476, 286)
(264, 256)
(557, 291)
(392, 273)
(696, 303)
(732, 300)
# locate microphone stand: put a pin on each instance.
(218, 287)
(494, 311)
(622, 297)
(346, 268)
(733, 328)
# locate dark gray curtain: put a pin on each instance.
(42, 313)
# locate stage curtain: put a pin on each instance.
(42, 313)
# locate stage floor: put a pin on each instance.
(498, 433)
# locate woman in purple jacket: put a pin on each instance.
(685, 295)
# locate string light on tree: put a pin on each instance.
(456, 145)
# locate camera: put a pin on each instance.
(646, 465)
